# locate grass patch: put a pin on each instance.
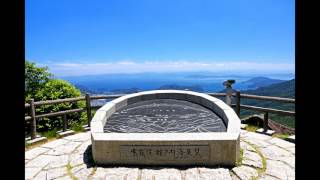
(77, 127)
(252, 128)
(50, 134)
(239, 161)
(281, 136)
(69, 168)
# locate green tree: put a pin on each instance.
(40, 85)
(58, 89)
(35, 79)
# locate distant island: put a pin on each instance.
(261, 82)
(196, 88)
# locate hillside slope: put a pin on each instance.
(284, 89)
(261, 82)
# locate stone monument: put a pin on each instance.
(165, 127)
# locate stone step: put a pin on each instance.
(29, 138)
(66, 133)
(268, 132)
(86, 128)
(36, 140)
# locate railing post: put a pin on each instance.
(65, 122)
(238, 103)
(228, 85)
(265, 122)
(33, 119)
(88, 107)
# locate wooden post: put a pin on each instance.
(238, 103)
(265, 122)
(33, 119)
(65, 122)
(88, 107)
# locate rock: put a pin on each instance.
(217, 174)
(161, 174)
(245, 172)
(252, 159)
(35, 152)
(30, 172)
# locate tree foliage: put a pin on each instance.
(35, 79)
(41, 86)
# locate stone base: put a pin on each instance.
(66, 133)
(168, 149)
(36, 140)
(29, 138)
(268, 132)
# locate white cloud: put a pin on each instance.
(70, 69)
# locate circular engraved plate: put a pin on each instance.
(164, 116)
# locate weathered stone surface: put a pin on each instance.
(41, 175)
(274, 151)
(292, 150)
(279, 169)
(83, 147)
(31, 172)
(252, 159)
(257, 136)
(55, 143)
(190, 174)
(267, 177)
(162, 174)
(81, 172)
(64, 178)
(217, 174)
(245, 172)
(58, 161)
(81, 137)
(281, 143)
(99, 173)
(76, 159)
(280, 165)
(257, 142)
(40, 161)
(243, 132)
(56, 172)
(246, 147)
(35, 152)
(117, 173)
(65, 149)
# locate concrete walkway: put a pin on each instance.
(264, 157)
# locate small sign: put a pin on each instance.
(165, 152)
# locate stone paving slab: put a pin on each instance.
(70, 158)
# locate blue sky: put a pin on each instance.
(78, 37)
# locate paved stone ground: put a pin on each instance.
(264, 157)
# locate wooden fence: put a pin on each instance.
(87, 98)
